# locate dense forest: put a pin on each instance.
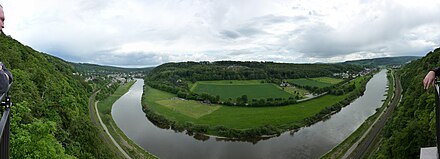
(176, 77)
(413, 123)
(384, 61)
(94, 68)
(49, 117)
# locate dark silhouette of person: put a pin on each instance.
(5, 74)
(2, 19)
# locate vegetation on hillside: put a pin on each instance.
(176, 78)
(413, 123)
(384, 61)
(94, 68)
(49, 117)
(242, 122)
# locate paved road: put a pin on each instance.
(93, 109)
(360, 150)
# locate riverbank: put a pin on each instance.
(350, 143)
(227, 121)
(103, 135)
(104, 109)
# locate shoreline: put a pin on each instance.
(163, 122)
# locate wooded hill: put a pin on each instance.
(412, 125)
(175, 77)
(94, 68)
(384, 61)
(50, 116)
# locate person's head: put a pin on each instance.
(2, 18)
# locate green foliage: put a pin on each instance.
(176, 77)
(384, 61)
(253, 91)
(413, 123)
(50, 118)
(228, 121)
(98, 69)
(305, 82)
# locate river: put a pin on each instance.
(308, 142)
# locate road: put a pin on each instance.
(93, 109)
(359, 150)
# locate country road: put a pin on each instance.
(375, 129)
(93, 109)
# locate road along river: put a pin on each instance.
(308, 142)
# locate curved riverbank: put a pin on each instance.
(264, 122)
(348, 145)
(124, 144)
(307, 142)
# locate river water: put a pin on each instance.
(308, 142)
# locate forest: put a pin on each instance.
(94, 68)
(383, 61)
(412, 125)
(176, 77)
(49, 118)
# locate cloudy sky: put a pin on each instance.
(134, 33)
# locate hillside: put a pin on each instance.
(413, 123)
(94, 68)
(175, 77)
(384, 61)
(49, 117)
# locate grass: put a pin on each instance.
(190, 108)
(241, 117)
(319, 82)
(232, 89)
(295, 90)
(104, 108)
(328, 80)
(342, 148)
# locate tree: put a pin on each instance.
(244, 98)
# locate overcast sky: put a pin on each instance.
(134, 33)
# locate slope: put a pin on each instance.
(413, 122)
(49, 117)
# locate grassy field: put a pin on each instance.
(328, 80)
(319, 82)
(190, 108)
(238, 117)
(295, 90)
(104, 108)
(226, 89)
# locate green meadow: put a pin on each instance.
(233, 117)
(226, 89)
(319, 82)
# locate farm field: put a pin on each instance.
(328, 80)
(296, 91)
(211, 116)
(226, 89)
(233, 117)
(319, 82)
(191, 108)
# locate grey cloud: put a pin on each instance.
(249, 31)
(387, 32)
(274, 19)
(133, 59)
(254, 26)
(228, 34)
(240, 52)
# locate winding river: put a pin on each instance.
(308, 142)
